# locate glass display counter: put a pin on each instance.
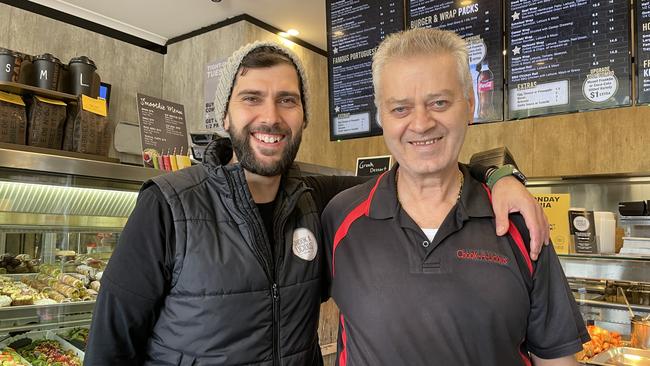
(60, 218)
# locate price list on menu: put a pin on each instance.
(479, 23)
(566, 56)
(354, 30)
(643, 50)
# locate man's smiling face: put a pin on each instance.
(265, 118)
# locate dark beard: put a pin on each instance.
(246, 156)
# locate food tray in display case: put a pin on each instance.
(622, 356)
(10, 357)
(77, 336)
(46, 344)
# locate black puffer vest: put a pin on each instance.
(230, 302)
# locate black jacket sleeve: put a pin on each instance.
(326, 187)
(479, 172)
(134, 285)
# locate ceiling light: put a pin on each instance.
(293, 32)
(283, 34)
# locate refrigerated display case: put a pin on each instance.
(60, 218)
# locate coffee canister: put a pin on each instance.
(9, 65)
(46, 71)
(82, 75)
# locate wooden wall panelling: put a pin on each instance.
(517, 136)
(609, 141)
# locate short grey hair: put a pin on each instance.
(418, 42)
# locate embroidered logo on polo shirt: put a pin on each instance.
(304, 244)
(481, 256)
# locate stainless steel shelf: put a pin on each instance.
(49, 164)
(615, 268)
(29, 317)
(589, 179)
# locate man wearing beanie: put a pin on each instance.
(220, 263)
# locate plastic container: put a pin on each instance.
(9, 65)
(46, 71)
(82, 76)
(605, 231)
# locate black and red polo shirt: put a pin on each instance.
(468, 297)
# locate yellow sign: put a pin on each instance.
(93, 105)
(50, 101)
(556, 208)
(11, 98)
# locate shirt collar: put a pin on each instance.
(474, 201)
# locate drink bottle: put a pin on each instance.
(485, 86)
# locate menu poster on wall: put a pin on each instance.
(162, 131)
(567, 56)
(354, 30)
(479, 23)
(210, 81)
(643, 50)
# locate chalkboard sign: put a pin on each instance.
(566, 56)
(373, 165)
(643, 51)
(354, 30)
(162, 130)
(479, 23)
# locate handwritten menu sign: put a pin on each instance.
(643, 50)
(354, 30)
(373, 165)
(479, 23)
(567, 56)
(162, 130)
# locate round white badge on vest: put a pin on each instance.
(304, 244)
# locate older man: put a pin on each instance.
(417, 271)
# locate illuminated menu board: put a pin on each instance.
(643, 51)
(354, 30)
(479, 23)
(566, 56)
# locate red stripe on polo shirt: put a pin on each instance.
(516, 236)
(524, 357)
(343, 356)
(361, 210)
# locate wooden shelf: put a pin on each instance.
(22, 89)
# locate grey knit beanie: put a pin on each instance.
(229, 72)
